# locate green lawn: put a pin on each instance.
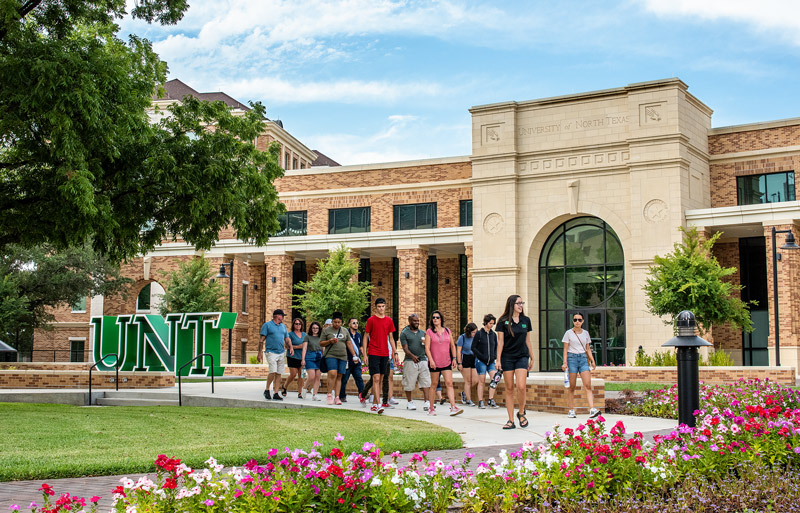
(42, 441)
(636, 387)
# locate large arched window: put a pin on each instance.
(581, 269)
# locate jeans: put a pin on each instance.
(353, 369)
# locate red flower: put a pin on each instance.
(95, 498)
(340, 500)
(170, 484)
(336, 452)
(47, 489)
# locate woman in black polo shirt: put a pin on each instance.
(514, 350)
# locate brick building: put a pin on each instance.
(571, 197)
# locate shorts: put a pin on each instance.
(416, 374)
(577, 363)
(441, 369)
(482, 368)
(514, 363)
(275, 362)
(468, 361)
(313, 359)
(335, 364)
(378, 365)
(293, 363)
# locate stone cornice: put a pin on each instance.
(740, 156)
(765, 214)
(374, 167)
(748, 127)
(377, 189)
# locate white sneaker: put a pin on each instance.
(426, 406)
(315, 398)
(594, 412)
(393, 401)
(370, 398)
(571, 414)
(411, 406)
(455, 411)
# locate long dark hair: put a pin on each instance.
(469, 328)
(441, 318)
(311, 329)
(508, 314)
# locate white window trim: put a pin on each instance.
(80, 311)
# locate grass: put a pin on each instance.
(636, 387)
(43, 441)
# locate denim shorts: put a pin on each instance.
(482, 368)
(335, 364)
(313, 359)
(577, 363)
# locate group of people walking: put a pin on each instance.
(431, 355)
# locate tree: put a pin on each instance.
(34, 281)
(190, 289)
(80, 159)
(332, 289)
(691, 278)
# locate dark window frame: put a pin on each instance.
(285, 222)
(77, 354)
(766, 193)
(244, 297)
(416, 209)
(465, 212)
(334, 212)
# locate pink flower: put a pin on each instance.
(272, 452)
(95, 498)
(602, 459)
(14, 507)
(590, 484)
(208, 502)
(338, 437)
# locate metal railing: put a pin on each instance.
(116, 370)
(180, 398)
(52, 355)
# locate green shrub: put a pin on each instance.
(666, 358)
(253, 360)
(717, 358)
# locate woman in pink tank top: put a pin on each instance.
(441, 353)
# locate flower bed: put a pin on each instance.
(748, 434)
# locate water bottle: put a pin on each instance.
(495, 380)
(566, 378)
(303, 374)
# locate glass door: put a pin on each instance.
(594, 321)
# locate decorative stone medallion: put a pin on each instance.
(655, 211)
(493, 223)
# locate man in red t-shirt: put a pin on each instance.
(377, 339)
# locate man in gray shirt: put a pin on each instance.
(415, 366)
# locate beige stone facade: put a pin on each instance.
(640, 160)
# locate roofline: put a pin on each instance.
(381, 165)
(759, 125)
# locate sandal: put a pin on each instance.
(523, 420)
(510, 425)
(283, 391)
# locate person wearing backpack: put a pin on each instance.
(484, 347)
(441, 353)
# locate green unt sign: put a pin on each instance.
(146, 342)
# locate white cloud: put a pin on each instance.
(403, 137)
(776, 16)
(277, 90)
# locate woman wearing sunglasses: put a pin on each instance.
(441, 353)
(578, 358)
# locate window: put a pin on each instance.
(292, 224)
(465, 209)
(143, 299)
(294, 163)
(768, 188)
(76, 350)
(349, 220)
(243, 354)
(244, 298)
(79, 306)
(415, 217)
(285, 161)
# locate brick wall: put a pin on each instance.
(80, 379)
(413, 290)
(376, 177)
(723, 336)
(717, 375)
(449, 294)
(723, 176)
(788, 292)
(751, 140)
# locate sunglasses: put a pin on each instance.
(577, 320)
(435, 317)
(522, 303)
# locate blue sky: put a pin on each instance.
(367, 81)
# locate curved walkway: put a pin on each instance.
(479, 429)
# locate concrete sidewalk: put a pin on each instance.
(480, 430)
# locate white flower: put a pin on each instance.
(211, 462)
(126, 483)
(130, 509)
(396, 479)
(376, 481)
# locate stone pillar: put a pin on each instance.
(413, 289)
(470, 312)
(278, 293)
(788, 297)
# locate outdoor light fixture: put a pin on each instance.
(407, 275)
(790, 244)
(230, 300)
(273, 279)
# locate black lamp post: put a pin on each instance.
(789, 245)
(688, 366)
(230, 301)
